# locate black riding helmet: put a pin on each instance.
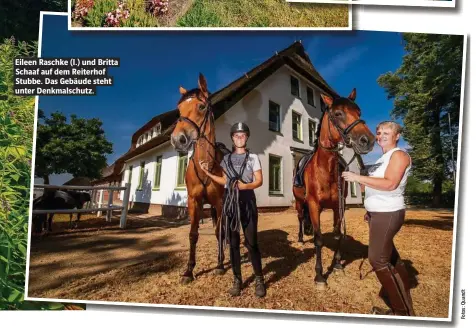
(240, 127)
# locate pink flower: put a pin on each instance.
(157, 7)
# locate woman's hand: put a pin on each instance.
(351, 176)
(204, 166)
(242, 186)
(366, 217)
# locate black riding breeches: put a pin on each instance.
(249, 223)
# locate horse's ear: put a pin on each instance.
(353, 94)
(202, 83)
(182, 90)
(327, 100)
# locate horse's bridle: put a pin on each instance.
(344, 133)
(200, 129)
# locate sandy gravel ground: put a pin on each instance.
(98, 261)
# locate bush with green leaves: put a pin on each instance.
(16, 140)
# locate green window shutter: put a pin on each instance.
(182, 168)
(274, 174)
(141, 175)
(158, 170)
(296, 118)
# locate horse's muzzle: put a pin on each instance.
(364, 144)
(181, 142)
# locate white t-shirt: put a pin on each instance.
(385, 201)
(252, 165)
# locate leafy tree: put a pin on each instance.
(22, 18)
(78, 147)
(426, 88)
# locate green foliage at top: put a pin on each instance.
(425, 89)
(21, 18)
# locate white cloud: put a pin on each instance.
(341, 62)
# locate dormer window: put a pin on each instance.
(159, 128)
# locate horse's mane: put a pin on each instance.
(318, 131)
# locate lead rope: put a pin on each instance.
(341, 192)
(231, 203)
(343, 220)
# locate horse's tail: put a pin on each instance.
(214, 216)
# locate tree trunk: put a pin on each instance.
(46, 179)
(438, 155)
(437, 191)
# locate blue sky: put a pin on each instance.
(155, 64)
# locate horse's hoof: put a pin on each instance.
(220, 271)
(185, 280)
(321, 285)
(338, 267)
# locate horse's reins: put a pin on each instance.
(344, 134)
(231, 203)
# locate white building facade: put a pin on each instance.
(283, 113)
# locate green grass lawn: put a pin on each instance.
(263, 13)
(223, 13)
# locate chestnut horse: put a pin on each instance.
(340, 123)
(195, 130)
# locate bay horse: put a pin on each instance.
(340, 125)
(195, 130)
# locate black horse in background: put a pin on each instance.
(54, 199)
